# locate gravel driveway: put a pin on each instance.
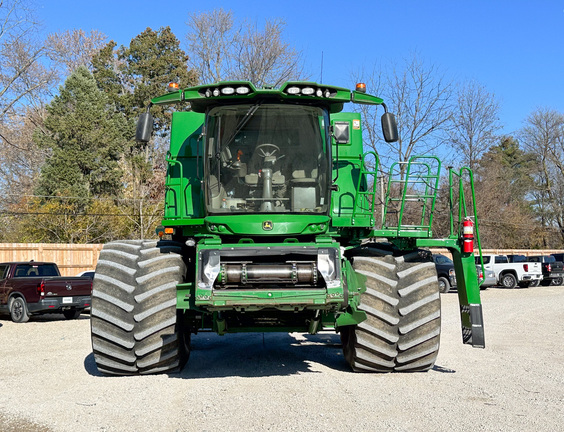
(281, 382)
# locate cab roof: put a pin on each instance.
(203, 97)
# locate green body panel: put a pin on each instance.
(351, 201)
(183, 196)
(267, 224)
(247, 239)
(356, 284)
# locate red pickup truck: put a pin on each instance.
(29, 288)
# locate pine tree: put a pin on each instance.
(133, 75)
(86, 140)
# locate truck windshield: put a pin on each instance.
(267, 158)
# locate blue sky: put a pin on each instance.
(514, 48)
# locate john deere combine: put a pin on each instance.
(274, 222)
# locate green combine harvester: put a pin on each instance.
(275, 221)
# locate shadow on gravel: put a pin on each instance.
(255, 355)
(262, 354)
(45, 318)
(442, 369)
(90, 366)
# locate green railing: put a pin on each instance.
(176, 187)
(411, 196)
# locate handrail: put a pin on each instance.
(172, 161)
(363, 173)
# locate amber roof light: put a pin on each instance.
(361, 87)
(173, 86)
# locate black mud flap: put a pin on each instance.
(473, 325)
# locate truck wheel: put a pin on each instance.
(556, 281)
(444, 285)
(508, 280)
(72, 313)
(402, 304)
(133, 316)
(18, 310)
(535, 283)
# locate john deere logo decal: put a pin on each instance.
(267, 225)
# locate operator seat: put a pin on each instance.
(304, 181)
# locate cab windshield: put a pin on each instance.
(268, 158)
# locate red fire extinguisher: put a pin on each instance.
(467, 236)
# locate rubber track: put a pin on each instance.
(133, 315)
(402, 303)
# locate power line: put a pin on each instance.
(85, 198)
(9, 213)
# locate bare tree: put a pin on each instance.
(22, 75)
(264, 58)
(24, 85)
(221, 49)
(503, 192)
(475, 121)
(421, 98)
(74, 48)
(543, 134)
(20, 159)
(211, 44)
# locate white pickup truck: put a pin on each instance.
(510, 274)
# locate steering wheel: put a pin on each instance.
(263, 152)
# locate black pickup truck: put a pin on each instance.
(29, 288)
(552, 270)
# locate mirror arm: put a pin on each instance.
(333, 185)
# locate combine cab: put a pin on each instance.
(271, 224)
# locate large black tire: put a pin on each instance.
(508, 280)
(18, 310)
(133, 315)
(556, 281)
(444, 284)
(535, 283)
(403, 307)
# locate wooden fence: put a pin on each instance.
(74, 258)
(71, 258)
(526, 252)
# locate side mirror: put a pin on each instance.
(144, 128)
(389, 127)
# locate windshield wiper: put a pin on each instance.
(252, 110)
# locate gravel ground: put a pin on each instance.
(281, 382)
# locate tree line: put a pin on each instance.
(71, 171)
